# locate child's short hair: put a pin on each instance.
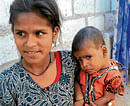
(46, 8)
(86, 34)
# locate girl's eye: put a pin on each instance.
(39, 33)
(20, 33)
(88, 57)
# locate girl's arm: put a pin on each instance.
(79, 99)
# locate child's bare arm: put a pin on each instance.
(79, 99)
(103, 101)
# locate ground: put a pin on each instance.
(125, 100)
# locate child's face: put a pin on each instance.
(91, 59)
(33, 37)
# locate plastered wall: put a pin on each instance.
(76, 14)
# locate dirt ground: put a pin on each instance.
(124, 100)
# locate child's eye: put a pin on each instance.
(40, 33)
(88, 57)
(20, 33)
(79, 59)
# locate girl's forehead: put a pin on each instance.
(31, 17)
(31, 22)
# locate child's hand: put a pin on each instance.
(112, 103)
(86, 105)
(91, 104)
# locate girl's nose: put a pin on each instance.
(31, 41)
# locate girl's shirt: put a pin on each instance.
(94, 85)
(17, 88)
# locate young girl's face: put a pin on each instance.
(33, 37)
(91, 59)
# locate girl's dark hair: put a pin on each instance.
(87, 34)
(46, 8)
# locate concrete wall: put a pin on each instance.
(76, 14)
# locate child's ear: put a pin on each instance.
(55, 34)
(105, 51)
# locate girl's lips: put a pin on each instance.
(31, 53)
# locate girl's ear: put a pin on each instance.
(105, 51)
(55, 34)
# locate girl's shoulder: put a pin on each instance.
(67, 56)
(69, 61)
(65, 53)
(10, 72)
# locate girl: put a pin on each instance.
(41, 77)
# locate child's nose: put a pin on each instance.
(84, 64)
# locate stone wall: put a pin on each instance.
(76, 14)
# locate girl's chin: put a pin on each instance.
(32, 61)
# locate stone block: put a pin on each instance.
(70, 28)
(8, 50)
(110, 21)
(114, 4)
(3, 16)
(4, 11)
(83, 6)
(102, 6)
(96, 21)
(5, 30)
(108, 43)
(65, 7)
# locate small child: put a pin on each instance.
(99, 77)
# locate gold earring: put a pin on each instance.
(54, 44)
